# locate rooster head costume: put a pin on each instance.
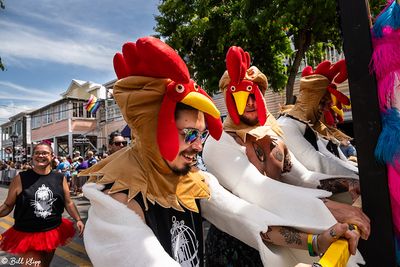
(152, 79)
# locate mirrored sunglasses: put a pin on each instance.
(191, 135)
(117, 143)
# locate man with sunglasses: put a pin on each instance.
(116, 142)
(145, 207)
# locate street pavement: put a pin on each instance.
(71, 255)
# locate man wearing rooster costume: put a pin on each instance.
(310, 140)
(147, 213)
(253, 152)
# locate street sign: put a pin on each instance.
(8, 150)
(81, 140)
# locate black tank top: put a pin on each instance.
(40, 205)
(180, 233)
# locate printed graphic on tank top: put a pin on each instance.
(43, 202)
(184, 244)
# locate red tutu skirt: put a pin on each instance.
(17, 242)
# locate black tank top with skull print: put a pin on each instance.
(40, 205)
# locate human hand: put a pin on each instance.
(345, 213)
(81, 226)
(354, 188)
(339, 230)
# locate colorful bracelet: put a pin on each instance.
(310, 245)
(315, 244)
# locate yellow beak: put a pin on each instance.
(202, 103)
(241, 100)
(338, 111)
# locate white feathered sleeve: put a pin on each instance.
(116, 236)
(258, 202)
(312, 159)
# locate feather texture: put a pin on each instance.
(388, 147)
(390, 16)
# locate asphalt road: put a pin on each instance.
(71, 255)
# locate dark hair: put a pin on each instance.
(112, 135)
(42, 144)
(181, 106)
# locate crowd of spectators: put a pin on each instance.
(69, 166)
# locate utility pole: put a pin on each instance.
(379, 249)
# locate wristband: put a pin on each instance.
(315, 244)
(310, 245)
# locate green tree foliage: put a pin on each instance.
(278, 34)
(202, 32)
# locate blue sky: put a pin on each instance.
(46, 43)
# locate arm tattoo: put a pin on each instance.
(291, 236)
(334, 185)
(259, 151)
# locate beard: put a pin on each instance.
(187, 166)
(248, 121)
(182, 171)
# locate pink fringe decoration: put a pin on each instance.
(386, 91)
(385, 58)
(394, 187)
(386, 65)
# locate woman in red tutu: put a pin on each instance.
(39, 196)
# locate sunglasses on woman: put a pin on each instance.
(191, 135)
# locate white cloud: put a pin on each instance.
(73, 32)
(25, 42)
(29, 92)
(7, 111)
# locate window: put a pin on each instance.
(57, 113)
(61, 111)
(18, 127)
(90, 115)
(48, 116)
(36, 120)
(77, 108)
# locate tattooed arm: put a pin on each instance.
(339, 185)
(293, 238)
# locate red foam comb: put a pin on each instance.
(150, 57)
(336, 72)
(237, 63)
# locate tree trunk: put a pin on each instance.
(303, 43)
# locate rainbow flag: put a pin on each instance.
(93, 104)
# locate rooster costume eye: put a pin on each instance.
(233, 88)
(249, 88)
(196, 87)
(180, 88)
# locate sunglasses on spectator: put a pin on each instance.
(191, 135)
(117, 143)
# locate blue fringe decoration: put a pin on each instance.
(389, 17)
(388, 148)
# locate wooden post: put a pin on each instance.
(379, 249)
